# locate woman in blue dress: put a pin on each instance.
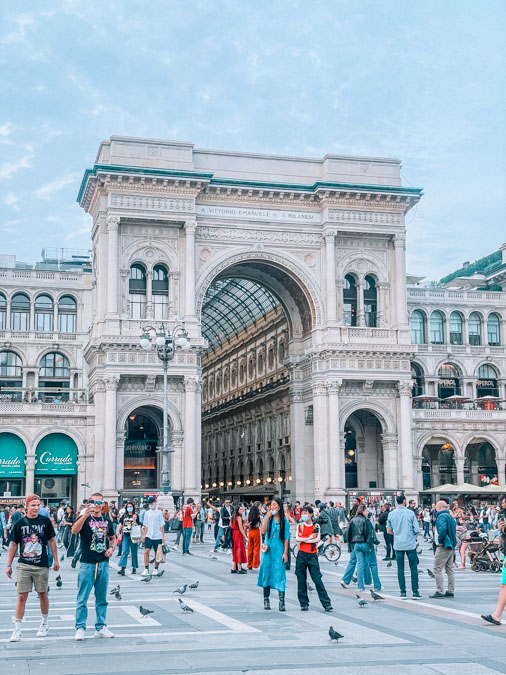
(272, 572)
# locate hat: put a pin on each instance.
(30, 498)
(322, 505)
(151, 500)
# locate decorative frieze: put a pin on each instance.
(364, 217)
(271, 236)
(151, 203)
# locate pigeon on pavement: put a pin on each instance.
(375, 596)
(114, 590)
(144, 611)
(184, 607)
(431, 574)
(117, 595)
(160, 573)
(194, 586)
(147, 579)
(361, 601)
(389, 563)
(334, 635)
(59, 582)
(213, 557)
(181, 590)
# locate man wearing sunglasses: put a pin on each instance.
(97, 546)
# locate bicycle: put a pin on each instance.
(332, 552)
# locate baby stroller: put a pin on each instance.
(484, 556)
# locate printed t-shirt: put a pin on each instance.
(127, 521)
(187, 517)
(153, 520)
(95, 535)
(32, 535)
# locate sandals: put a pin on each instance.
(490, 619)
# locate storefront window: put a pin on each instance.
(56, 468)
(449, 381)
(486, 383)
(12, 465)
(140, 466)
(54, 375)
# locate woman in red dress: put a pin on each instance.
(238, 534)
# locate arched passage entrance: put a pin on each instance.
(438, 462)
(480, 466)
(142, 438)
(257, 315)
(363, 451)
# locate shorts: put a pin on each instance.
(29, 576)
(503, 575)
(152, 543)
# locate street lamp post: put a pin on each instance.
(166, 343)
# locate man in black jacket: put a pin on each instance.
(389, 538)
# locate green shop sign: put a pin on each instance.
(56, 454)
(12, 456)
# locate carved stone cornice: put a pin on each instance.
(260, 235)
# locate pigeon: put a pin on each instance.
(160, 573)
(334, 635)
(419, 550)
(431, 574)
(62, 558)
(152, 562)
(361, 602)
(309, 587)
(389, 563)
(114, 590)
(354, 579)
(213, 557)
(184, 607)
(117, 595)
(145, 612)
(181, 590)
(194, 586)
(147, 579)
(59, 582)
(375, 596)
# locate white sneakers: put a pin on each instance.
(79, 635)
(175, 547)
(16, 635)
(145, 573)
(104, 633)
(43, 630)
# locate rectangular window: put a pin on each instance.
(137, 306)
(3, 320)
(493, 335)
(44, 321)
(455, 338)
(20, 321)
(67, 323)
(160, 307)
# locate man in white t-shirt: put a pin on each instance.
(153, 534)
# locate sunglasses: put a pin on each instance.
(97, 502)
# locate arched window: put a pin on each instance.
(370, 301)
(137, 292)
(44, 313)
(350, 300)
(54, 374)
(10, 376)
(418, 328)
(449, 380)
(20, 312)
(486, 383)
(160, 292)
(3, 312)
(493, 330)
(67, 314)
(418, 379)
(456, 337)
(437, 328)
(474, 324)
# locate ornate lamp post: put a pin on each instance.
(165, 343)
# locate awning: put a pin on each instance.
(12, 456)
(465, 489)
(56, 454)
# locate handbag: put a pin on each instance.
(135, 534)
(160, 554)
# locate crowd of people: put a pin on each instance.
(257, 537)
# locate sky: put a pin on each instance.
(420, 81)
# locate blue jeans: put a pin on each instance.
(413, 566)
(348, 574)
(366, 559)
(221, 533)
(426, 529)
(86, 580)
(199, 530)
(187, 537)
(126, 547)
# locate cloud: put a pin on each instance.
(48, 190)
(6, 129)
(9, 226)
(7, 169)
(12, 200)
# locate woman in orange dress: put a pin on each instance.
(238, 535)
(254, 540)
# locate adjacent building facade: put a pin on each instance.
(288, 275)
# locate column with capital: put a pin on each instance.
(112, 265)
(320, 429)
(176, 460)
(404, 426)
(302, 463)
(459, 463)
(335, 456)
(390, 461)
(100, 268)
(173, 294)
(191, 468)
(501, 466)
(382, 318)
(30, 474)
(98, 390)
(111, 387)
(400, 275)
(189, 259)
(150, 313)
(360, 303)
(330, 274)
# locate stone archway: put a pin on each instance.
(364, 464)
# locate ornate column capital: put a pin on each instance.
(319, 388)
(190, 227)
(405, 387)
(400, 240)
(112, 222)
(192, 383)
(124, 273)
(99, 384)
(111, 382)
(329, 236)
(334, 386)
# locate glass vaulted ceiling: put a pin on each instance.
(231, 305)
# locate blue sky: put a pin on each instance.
(422, 81)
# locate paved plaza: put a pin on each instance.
(230, 632)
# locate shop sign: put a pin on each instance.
(12, 456)
(447, 383)
(56, 454)
(486, 383)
